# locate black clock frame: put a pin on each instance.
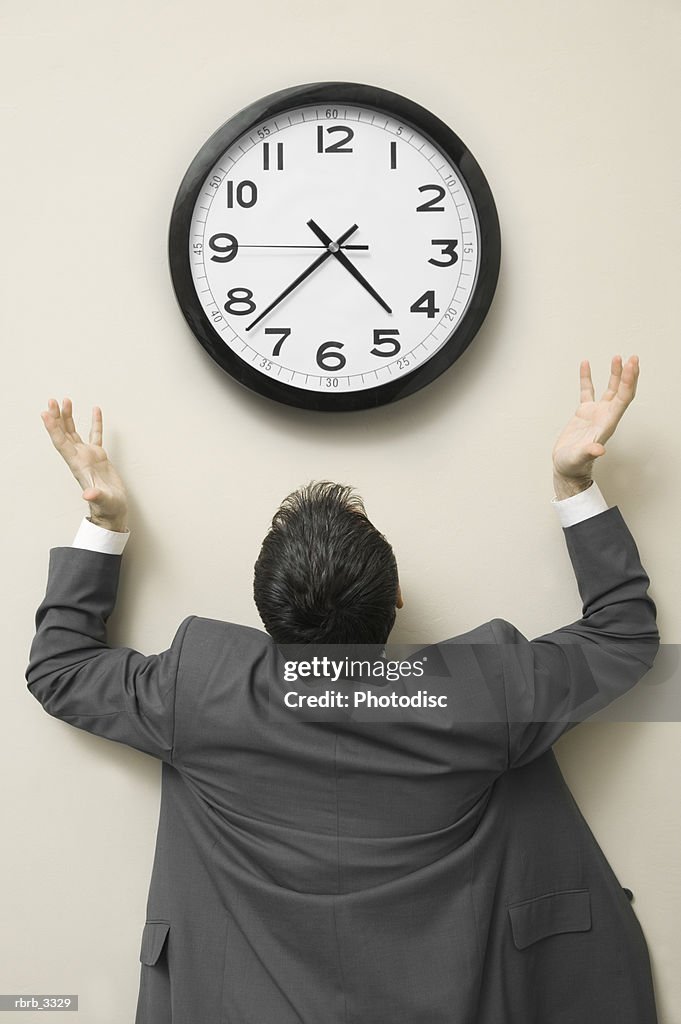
(409, 113)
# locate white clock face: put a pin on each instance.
(392, 206)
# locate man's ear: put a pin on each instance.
(399, 602)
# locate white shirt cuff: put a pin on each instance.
(98, 538)
(582, 505)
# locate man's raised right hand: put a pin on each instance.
(582, 440)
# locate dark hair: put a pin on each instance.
(324, 573)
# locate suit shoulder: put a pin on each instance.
(504, 631)
(494, 631)
(206, 629)
(224, 625)
(489, 632)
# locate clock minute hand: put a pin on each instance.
(306, 273)
(342, 258)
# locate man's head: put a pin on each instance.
(324, 573)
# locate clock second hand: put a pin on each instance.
(274, 245)
(306, 273)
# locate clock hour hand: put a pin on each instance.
(342, 258)
(306, 273)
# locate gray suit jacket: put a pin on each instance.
(355, 873)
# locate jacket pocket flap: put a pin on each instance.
(153, 937)
(534, 919)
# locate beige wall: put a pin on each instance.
(572, 110)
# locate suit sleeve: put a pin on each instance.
(559, 679)
(118, 692)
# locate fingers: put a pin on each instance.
(67, 417)
(586, 388)
(62, 429)
(96, 426)
(621, 386)
(626, 388)
(55, 427)
(614, 382)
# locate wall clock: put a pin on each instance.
(334, 246)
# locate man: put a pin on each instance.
(351, 871)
